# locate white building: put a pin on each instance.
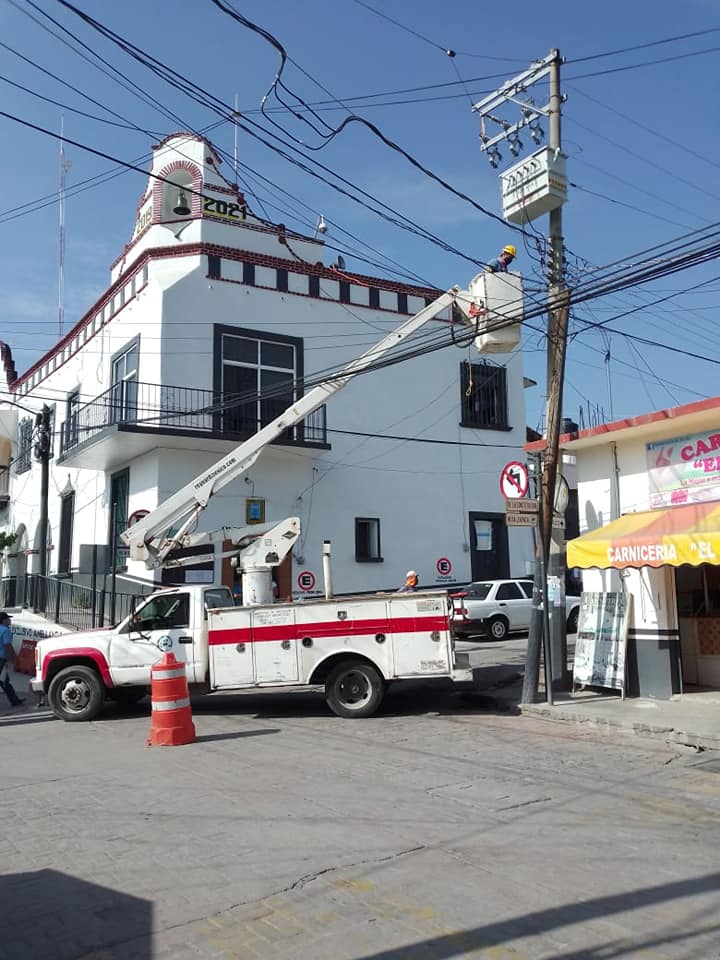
(649, 504)
(211, 320)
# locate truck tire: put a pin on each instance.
(498, 628)
(76, 694)
(354, 689)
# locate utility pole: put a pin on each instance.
(531, 188)
(558, 313)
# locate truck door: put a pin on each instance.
(160, 625)
(275, 644)
(420, 635)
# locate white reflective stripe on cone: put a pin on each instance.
(171, 704)
(168, 674)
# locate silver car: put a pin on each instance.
(499, 607)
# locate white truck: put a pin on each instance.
(353, 645)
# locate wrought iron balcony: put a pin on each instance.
(4, 484)
(153, 411)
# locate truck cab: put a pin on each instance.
(78, 671)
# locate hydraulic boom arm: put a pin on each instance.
(150, 540)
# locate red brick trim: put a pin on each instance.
(227, 253)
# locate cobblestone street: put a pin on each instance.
(438, 829)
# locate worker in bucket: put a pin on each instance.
(500, 264)
(411, 583)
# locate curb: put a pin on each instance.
(669, 734)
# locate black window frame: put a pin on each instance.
(70, 436)
(248, 273)
(313, 286)
(282, 280)
(65, 538)
(359, 558)
(214, 266)
(220, 330)
(486, 405)
(23, 456)
(344, 291)
(402, 299)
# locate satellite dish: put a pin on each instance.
(339, 263)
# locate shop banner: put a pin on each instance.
(600, 648)
(684, 470)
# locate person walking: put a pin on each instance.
(500, 264)
(7, 657)
(411, 583)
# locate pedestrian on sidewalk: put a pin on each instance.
(7, 657)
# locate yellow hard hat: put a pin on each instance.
(510, 249)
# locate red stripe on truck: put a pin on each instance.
(324, 629)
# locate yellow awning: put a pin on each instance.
(671, 537)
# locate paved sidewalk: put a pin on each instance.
(692, 719)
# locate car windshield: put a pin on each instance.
(479, 591)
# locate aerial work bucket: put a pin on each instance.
(497, 309)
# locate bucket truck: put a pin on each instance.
(353, 645)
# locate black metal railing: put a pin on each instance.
(155, 406)
(4, 484)
(67, 603)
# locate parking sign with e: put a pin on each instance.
(443, 567)
(306, 580)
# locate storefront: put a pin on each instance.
(649, 503)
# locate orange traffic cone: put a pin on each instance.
(172, 724)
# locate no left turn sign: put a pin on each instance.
(514, 480)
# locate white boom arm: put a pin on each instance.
(261, 544)
(151, 539)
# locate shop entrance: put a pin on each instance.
(697, 591)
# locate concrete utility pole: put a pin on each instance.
(558, 313)
(530, 188)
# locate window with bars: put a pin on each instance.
(23, 457)
(483, 396)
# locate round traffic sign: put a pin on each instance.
(443, 566)
(514, 480)
(136, 517)
(306, 580)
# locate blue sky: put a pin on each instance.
(645, 138)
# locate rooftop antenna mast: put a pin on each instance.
(235, 139)
(64, 167)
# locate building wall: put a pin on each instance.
(421, 492)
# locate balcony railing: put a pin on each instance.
(160, 407)
(4, 484)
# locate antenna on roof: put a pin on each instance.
(64, 167)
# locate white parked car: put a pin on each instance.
(496, 608)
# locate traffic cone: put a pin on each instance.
(172, 724)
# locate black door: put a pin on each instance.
(489, 554)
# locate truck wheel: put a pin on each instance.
(127, 696)
(76, 693)
(498, 628)
(354, 689)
